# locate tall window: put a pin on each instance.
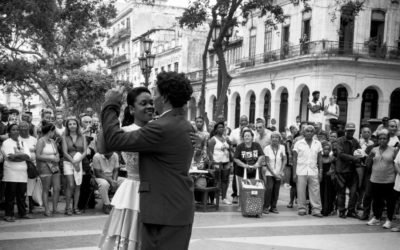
(128, 23)
(377, 26)
(252, 43)
(169, 67)
(176, 67)
(306, 29)
(267, 39)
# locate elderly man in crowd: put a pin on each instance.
(307, 168)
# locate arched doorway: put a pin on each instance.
(341, 94)
(267, 107)
(304, 99)
(283, 110)
(237, 111)
(369, 105)
(394, 109)
(252, 108)
(193, 109)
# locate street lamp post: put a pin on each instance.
(146, 61)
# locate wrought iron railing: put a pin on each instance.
(121, 34)
(323, 48)
(124, 58)
(198, 75)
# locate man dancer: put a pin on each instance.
(165, 154)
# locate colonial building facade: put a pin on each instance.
(315, 49)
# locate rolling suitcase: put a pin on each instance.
(252, 195)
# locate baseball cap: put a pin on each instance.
(350, 126)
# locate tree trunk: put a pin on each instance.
(225, 78)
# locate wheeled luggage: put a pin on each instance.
(252, 195)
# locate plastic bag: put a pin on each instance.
(37, 192)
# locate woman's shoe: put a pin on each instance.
(47, 214)
(77, 211)
(68, 211)
(290, 205)
(9, 219)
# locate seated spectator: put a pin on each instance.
(331, 113)
(106, 171)
(381, 160)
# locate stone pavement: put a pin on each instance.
(225, 229)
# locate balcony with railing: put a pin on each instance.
(323, 48)
(121, 59)
(198, 75)
(121, 34)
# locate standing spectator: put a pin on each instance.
(333, 136)
(393, 138)
(331, 113)
(247, 155)
(397, 185)
(32, 128)
(218, 153)
(74, 148)
(275, 158)
(235, 139)
(29, 142)
(382, 179)
(60, 129)
(345, 170)
(366, 185)
(46, 116)
(385, 124)
(106, 168)
(316, 108)
(365, 139)
(289, 165)
(200, 158)
(263, 135)
(307, 167)
(327, 188)
(90, 112)
(48, 165)
(3, 137)
(15, 174)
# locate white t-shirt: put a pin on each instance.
(331, 109)
(14, 171)
(275, 159)
(60, 131)
(235, 136)
(30, 142)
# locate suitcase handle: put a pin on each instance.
(257, 174)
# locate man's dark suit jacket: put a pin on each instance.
(165, 154)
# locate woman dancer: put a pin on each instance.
(122, 229)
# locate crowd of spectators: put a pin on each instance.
(329, 170)
(62, 149)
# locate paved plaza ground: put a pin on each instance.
(225, 229)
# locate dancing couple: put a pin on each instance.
(154, 207)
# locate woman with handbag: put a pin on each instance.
(29, 141)
(74, 150)
(47, 158)
(15, 174)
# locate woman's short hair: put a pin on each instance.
(217, 124)
(383, 131)
(247, 130)
(276, 133)
(47, 127)
(326, 143)
(10, 127)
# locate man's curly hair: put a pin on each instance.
(175, 87)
